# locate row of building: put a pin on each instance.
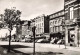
(64, 24)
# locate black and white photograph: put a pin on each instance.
(39, 27)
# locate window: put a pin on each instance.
(59, 21)
(38, 25)
(36, 21)
(55, 15)
(39, 19)
(53, 22)
(55, 29)
(42, 18)
(36, 30)
(71, 13)
(58, 28)
(42, 24)
(62, 13)
(42, 30)
(50, 23)
(51, 29)
(51, 16)
(59, 14)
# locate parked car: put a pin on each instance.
(13, 40)
(56, 40)
(42, 41)
(28, 40)
(61, 41)
(35, 40)
(23, 40)
(52, 41)
(17, 40)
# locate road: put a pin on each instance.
(40, 48)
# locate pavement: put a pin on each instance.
(51, 48)
(61, 47)
(22, 47)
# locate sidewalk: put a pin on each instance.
(60, 47)
(3, 51)
(41, 48)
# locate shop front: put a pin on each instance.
(56, 37)
(72, 35)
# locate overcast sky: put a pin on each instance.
(32, 8)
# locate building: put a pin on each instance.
(32, 24)
(72, 22)
(26, 32)
(56, 28)
(42, 26)
(18, 32)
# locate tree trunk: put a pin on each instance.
(9, 47)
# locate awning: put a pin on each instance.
(57, 34)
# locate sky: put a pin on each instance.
(5, 32)
(32, 8)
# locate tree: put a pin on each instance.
(11, 17)
(1, 21)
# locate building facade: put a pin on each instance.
(72, 22)
(42, 26)
(32, 24)
(26, 29)
(18, 32)
(56, 28)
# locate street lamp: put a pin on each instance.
(33, 30)
(77, 21)
(78, 34)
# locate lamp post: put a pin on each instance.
(64, 24)
(78, 1)
(78, 34)
(33, 30)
